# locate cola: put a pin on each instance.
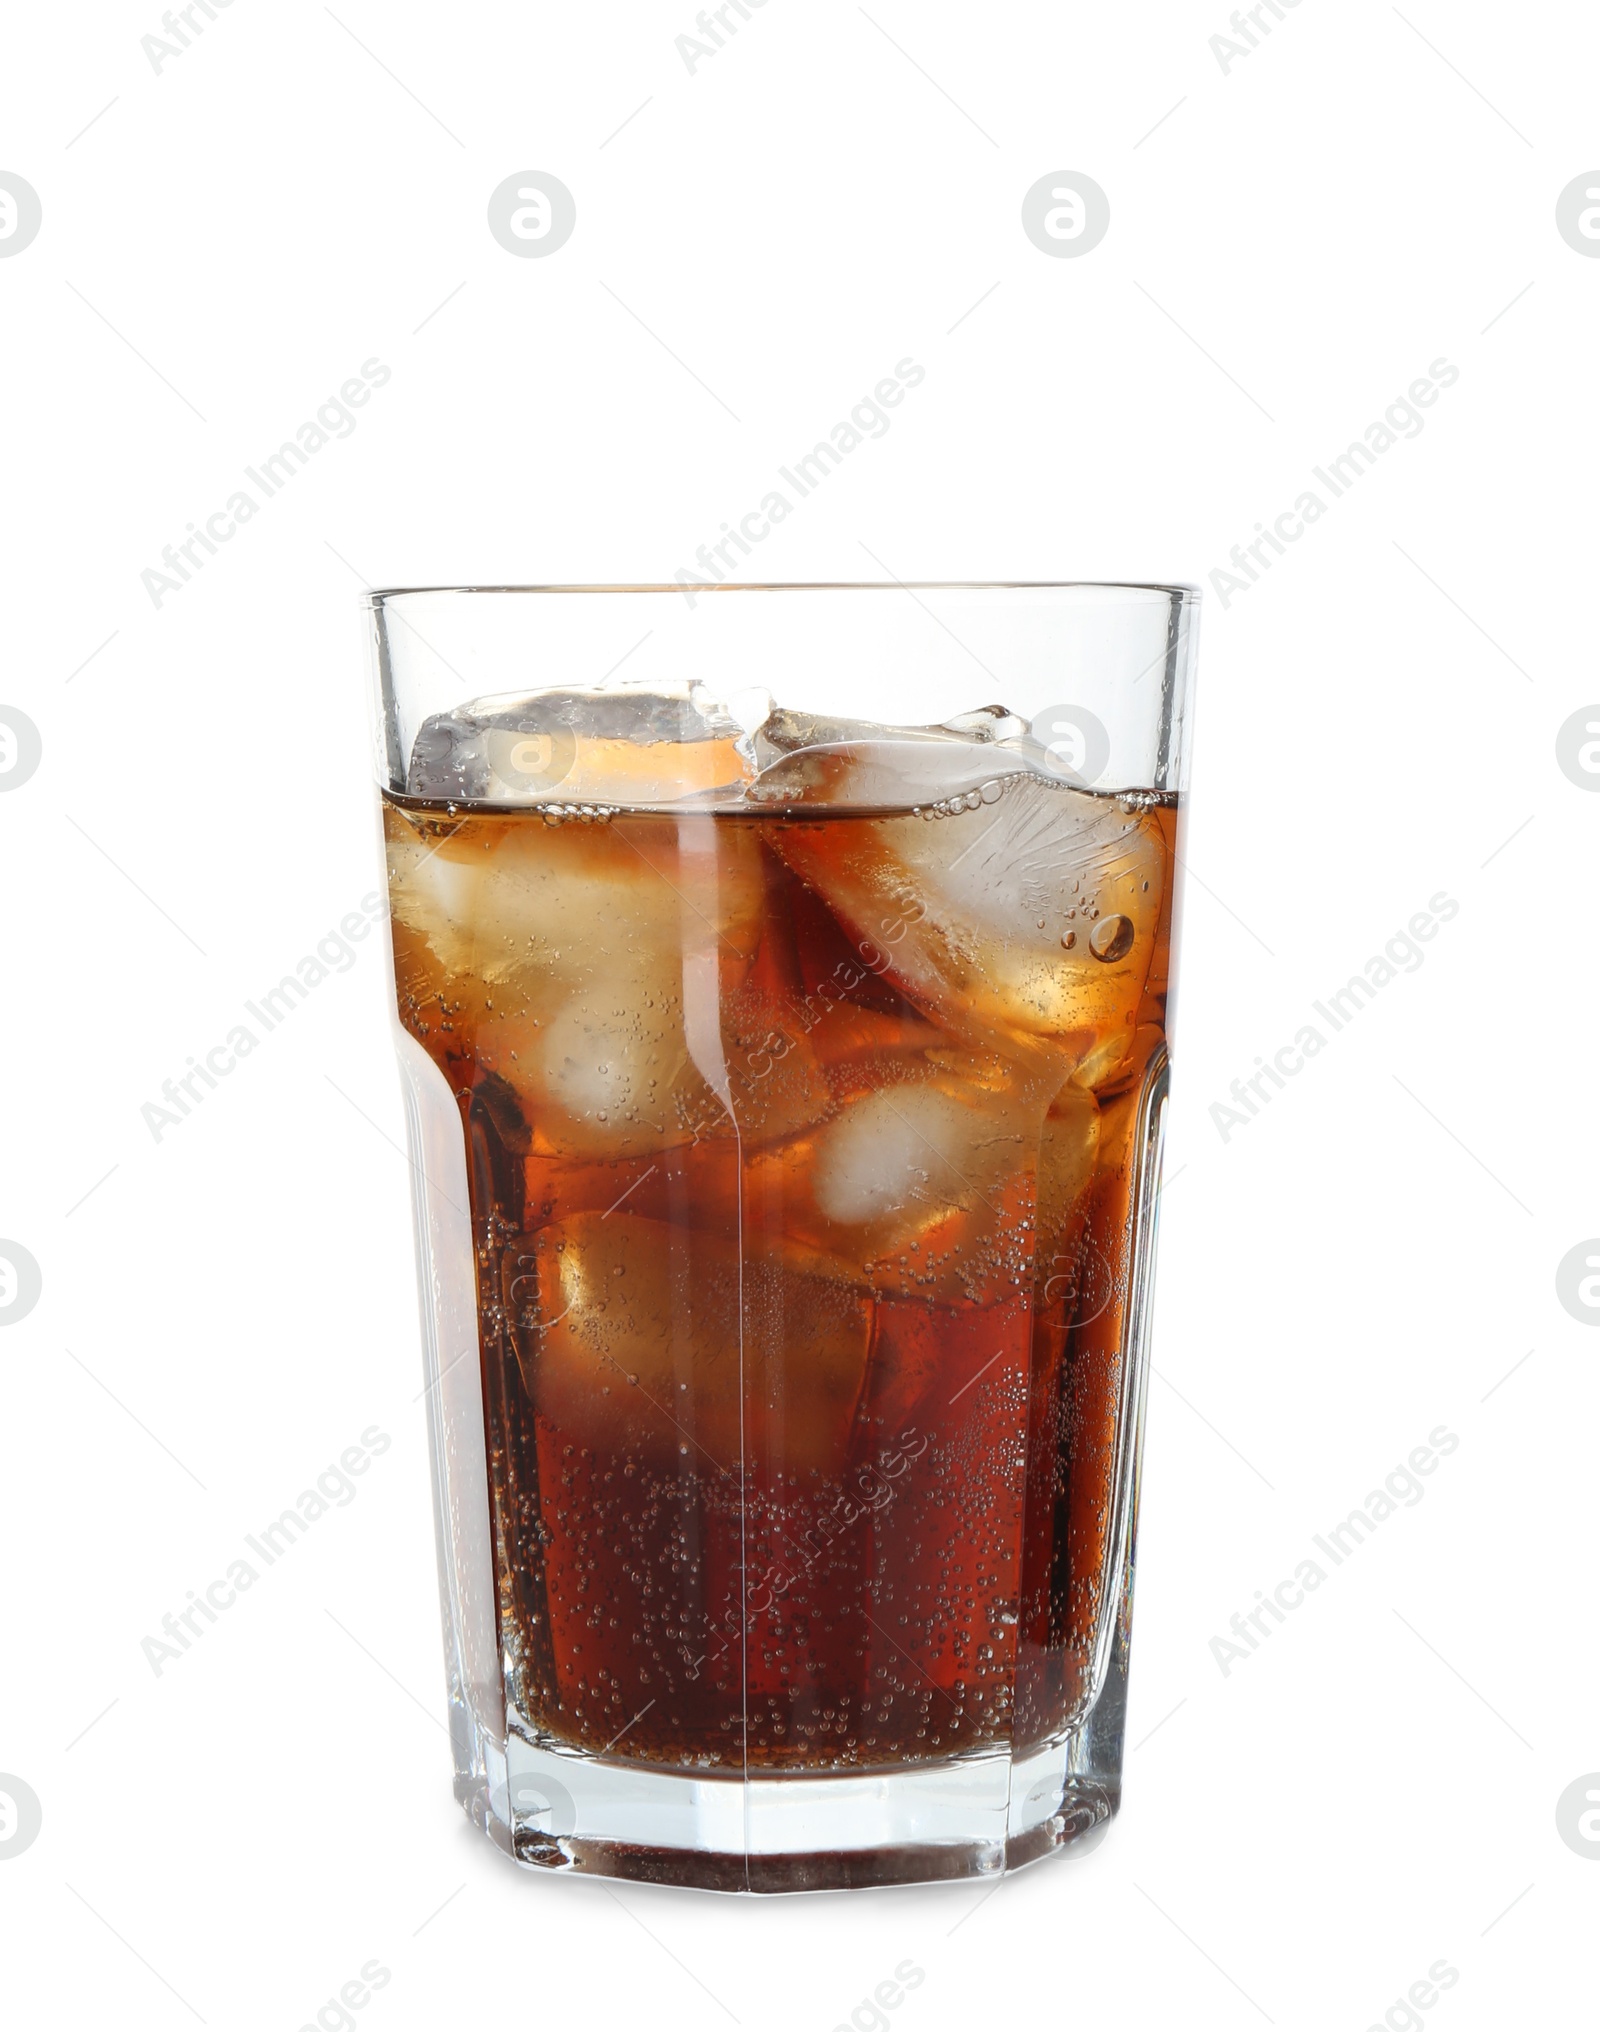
(807, 1073)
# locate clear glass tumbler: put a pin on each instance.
(783, 1039)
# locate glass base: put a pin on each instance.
(974, 1817)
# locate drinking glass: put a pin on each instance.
(782, 986)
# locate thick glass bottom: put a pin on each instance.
(972, 1818)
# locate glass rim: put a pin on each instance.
(1181, 590)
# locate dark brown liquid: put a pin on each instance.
(802, 1153)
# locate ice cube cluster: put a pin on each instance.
(683, 746)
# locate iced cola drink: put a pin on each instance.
(807, 1073)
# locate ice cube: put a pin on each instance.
(610, 1074)
(602, 1077)
(573, 960)
(651, 1342)
(506, 903)
(925, 1178)
(622, 745)
(858, 765)
(1036, 914)
(896, 1156)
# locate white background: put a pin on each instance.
(1296, 241)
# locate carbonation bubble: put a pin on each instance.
(1111, 938)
